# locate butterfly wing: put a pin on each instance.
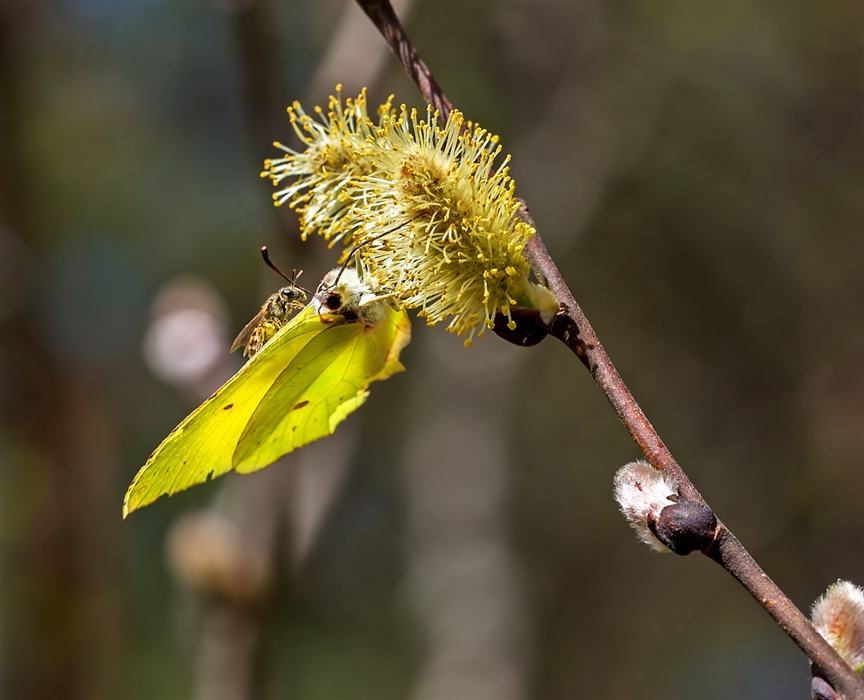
(202, 446)
(326, 381)
(296, 389)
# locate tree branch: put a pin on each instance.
(384, 18)
(571, 327)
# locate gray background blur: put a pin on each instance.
(696, 170)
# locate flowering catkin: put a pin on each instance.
(435, 218)
(838, 615)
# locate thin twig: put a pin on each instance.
(571, 327)
(384, 18)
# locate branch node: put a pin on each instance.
(685, 527)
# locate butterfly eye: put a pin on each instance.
(333, 301)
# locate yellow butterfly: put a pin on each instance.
(302, 382)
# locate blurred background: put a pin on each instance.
(697, 172)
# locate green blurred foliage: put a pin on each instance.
(696, 170)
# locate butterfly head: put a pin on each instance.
(342, 292)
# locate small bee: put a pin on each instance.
(276, 312)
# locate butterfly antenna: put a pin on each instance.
(294, 275)
(367, 242)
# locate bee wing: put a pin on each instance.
(244, 335)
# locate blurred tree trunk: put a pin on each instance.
(463, 580)
(63, 640)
